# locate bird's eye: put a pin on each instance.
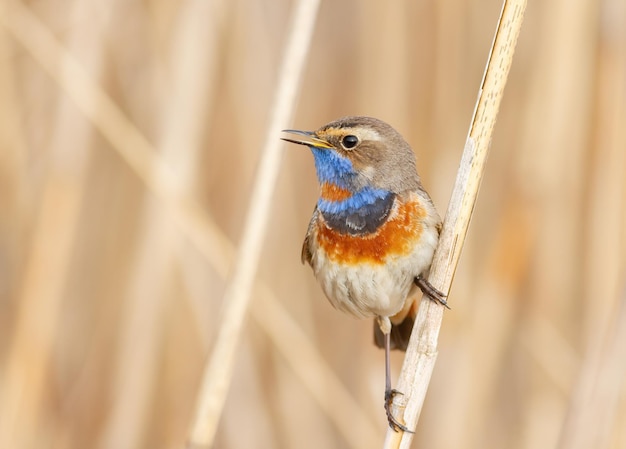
(349, 142)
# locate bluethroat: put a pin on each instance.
(374, 229)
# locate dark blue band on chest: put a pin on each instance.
(362, 220)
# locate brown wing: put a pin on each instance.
(306, 255)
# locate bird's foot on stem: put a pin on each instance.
(393, 422)
(429, 290)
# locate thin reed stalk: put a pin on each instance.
(129, 137)
(179, 147)
(422, 350)
(219, 368)
(591, 418)
(28, 367)
(150, 166)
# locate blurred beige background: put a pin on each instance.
(129, 137)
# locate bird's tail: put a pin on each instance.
(401, 328)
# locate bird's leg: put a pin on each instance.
(429, 290)
(389, 392)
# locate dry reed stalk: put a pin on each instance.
(193, 55)
(392, 67)
(298, 351)
(352, 423)
(422, 351)
(301, 354)
(505, 260)
(201, 231)
(121, 133)
(28, 365)
(218, 370)
(552, 164)
(591, 417)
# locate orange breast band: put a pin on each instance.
(332, 192)
(397, 237)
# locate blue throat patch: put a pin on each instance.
(364, 211)
(332, 167)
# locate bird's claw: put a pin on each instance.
(393, 422)
(429, 290)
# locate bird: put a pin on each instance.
(374, 230)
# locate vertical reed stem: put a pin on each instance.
(422, 351)
(219, 368)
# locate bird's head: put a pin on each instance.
(359, 155)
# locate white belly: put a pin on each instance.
(370, 289)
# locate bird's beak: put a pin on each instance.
(311, 139)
